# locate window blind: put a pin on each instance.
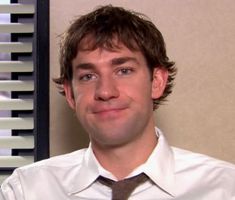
(28, 85)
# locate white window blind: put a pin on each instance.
(21, 86)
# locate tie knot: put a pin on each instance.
(122, 189)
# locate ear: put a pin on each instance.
(69, 95)
(160, 76)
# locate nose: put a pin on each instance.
(106, 89)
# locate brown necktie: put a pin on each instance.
(121, 190)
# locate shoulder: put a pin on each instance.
(56, 169)
(185, 158)
(56, 163)
(205, 172)
(59, 164)
(61, 161)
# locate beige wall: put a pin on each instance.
(199, 35)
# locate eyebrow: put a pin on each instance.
(85, 66)
(114, 62)
(122, 60)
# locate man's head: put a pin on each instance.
(107, 27)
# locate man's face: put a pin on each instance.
(112, 93)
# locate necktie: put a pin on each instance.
(121, 190)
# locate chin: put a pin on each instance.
(112, 139)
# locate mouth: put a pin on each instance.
(109, 112)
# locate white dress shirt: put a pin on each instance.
(174, 174)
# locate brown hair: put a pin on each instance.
(104, 25)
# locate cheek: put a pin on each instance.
(83, 98)
(140, 92)
(78, 97)
(80, 100)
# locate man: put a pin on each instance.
(114, 74)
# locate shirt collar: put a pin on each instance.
(160, 166)
(161, 160)
(89, 169)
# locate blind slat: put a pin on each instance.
(16, 28)
(15, 47)
(16, 85)
(16, 104)
(24, 46)
(17, 142)
(17, 8)
(16, 66)
(16, 123)
(15, 161)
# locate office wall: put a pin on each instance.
(199, 36)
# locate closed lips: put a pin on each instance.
(102, 110)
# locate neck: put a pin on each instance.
(122, 160)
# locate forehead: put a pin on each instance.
(103, 55)
(94, 50)
(111, 43)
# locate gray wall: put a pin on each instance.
(199, 34)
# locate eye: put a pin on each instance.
(87, 77)
(125, 71)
